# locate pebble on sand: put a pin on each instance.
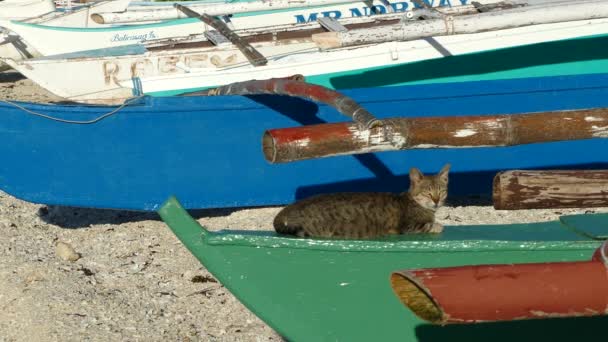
(66, 252)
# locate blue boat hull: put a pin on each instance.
(207, 150)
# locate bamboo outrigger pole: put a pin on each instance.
(368, 134)
(326, 140)
(295, 86)
(474, 23)
(486, 293)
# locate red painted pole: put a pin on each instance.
(332, 139)
(296, 86)
(471, 294)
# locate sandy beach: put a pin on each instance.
(133, 280)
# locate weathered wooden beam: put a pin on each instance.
(253, 56)
(449, 25)
(521, 189)
(295, 86)
(325, 140)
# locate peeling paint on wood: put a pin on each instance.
(521, 189)
(600, 131)
(436, 132)
(465, 133)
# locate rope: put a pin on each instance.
(97, 119)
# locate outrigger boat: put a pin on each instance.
(76, 31)
(110, 76)
(339, 290)
(206, 149)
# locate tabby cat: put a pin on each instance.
(368, 214)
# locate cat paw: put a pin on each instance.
(436, 228)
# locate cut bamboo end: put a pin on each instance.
(268, 147)
(497, 198)
(416, 298)
(505, 292)
(327, 40)
(601, 255)
(97, 18)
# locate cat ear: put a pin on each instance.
(443, 174)
(415, 175)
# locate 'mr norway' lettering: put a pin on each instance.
(372, 10)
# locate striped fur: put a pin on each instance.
(368, 214)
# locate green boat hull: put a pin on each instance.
(330, 290)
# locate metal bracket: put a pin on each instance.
(228, 21)
(503, 5)
(331, 24)
(216, 38)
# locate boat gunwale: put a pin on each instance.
(388, 246)
(424, 92)
(194, 235)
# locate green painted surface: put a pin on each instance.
(565, 57)
(338, 290)
(590, 226)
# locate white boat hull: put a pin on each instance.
(44, 41)
(111, 79)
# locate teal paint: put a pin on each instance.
(587, 55)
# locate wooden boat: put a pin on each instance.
(141, 150)
(57, 34)
(176, 68)
(339, 290)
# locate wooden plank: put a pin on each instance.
(522, 189)
(253, 55)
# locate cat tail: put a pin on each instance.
(282, 227)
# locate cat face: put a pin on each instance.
(429, 191)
